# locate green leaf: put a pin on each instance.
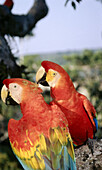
(66, 2)
(73, 5)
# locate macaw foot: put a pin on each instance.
(90, 143)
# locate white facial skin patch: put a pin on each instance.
(15, 92)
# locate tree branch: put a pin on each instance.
(20, 25)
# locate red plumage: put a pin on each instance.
(76, 107)
(40, 137)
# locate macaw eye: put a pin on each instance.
(54, 74)
(15, 86)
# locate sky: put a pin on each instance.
(63, 28)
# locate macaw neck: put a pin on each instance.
(33, 104)
(63, 90)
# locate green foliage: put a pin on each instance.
(32, 63)
(12, 111)
(87, 57)
(7, 159)
(97, 57)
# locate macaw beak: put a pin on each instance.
(6, 97)
(41, 77)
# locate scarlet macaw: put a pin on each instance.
(79, 111)
(40, 139)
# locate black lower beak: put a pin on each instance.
(43, 81)
(10, 101)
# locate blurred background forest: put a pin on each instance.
(83, 66)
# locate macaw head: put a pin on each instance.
(51, 74)
(16, 90)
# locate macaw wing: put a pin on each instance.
(62, 151)
(90, 110)
(52, 152)
(32, 158)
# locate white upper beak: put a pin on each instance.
(40, 73)
(4, 93)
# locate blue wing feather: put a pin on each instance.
(96, 123)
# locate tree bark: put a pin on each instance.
(8, 65)
(85, 160)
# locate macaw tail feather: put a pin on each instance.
(69, 163)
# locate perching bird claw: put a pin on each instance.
(90, 143)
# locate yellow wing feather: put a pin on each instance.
(50, 148)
